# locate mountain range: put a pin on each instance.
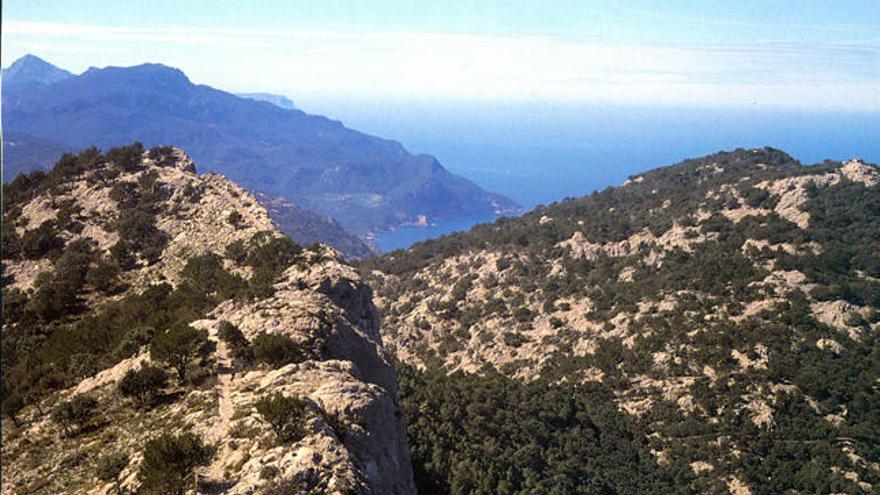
(365, 183)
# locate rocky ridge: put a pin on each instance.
(354, 434)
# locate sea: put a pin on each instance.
(539, 153)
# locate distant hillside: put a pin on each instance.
(22, 154)
(277, 100)
(727, 306)
(364, 182)
(307, 228)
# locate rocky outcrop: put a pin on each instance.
(363, 446)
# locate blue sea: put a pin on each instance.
(541, 153)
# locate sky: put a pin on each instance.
(766, 54)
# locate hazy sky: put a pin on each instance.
(746, 53)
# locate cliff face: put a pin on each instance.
(157, 245)
(728, 304)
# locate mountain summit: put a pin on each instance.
(365, 182)
(31, 72)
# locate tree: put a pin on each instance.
(236, 340)
(269, 257)
(143, 384)
(104, 277)
(126, 158)
(206, 275)
(138, 228)
(78, 410)
(122, 253)
(235, 219)
(169, 462)
(276, 350)
(41, 241)
(12, 404)
(178, 346)
(10, 241)
(54, 297)
(286, 416)
(110, 467)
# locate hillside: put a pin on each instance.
(160, 333)
(277, 100)
(366, 183)
(307, 228)
(726, 307)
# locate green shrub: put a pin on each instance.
(122, 254)
(138, 229)
(104, 277)
(190, 192)
(467, 431)
(12, 403)
(286, 416)
(126, 158)
(11, 240)
(179, 346)
(22, 188)
(514, 339)
(269, 472)
(237, 252)
(162, 155)
(42, 241)
(110, 466)
(277, 350)
(144, 384)
(14, 304)
(170, 461)
(78, 411)
(523, 315)
(235, 219)
(54, 297)
(269, 257)
(236, 340)
(206, 275)
(64, 218)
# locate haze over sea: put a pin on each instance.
(537, 154)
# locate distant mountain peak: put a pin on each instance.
(30, 61)
(32, 71)
(150, 72)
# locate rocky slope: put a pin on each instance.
(728, 304)
(105, 253)
(364, 182)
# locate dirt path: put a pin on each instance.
(219, 433)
